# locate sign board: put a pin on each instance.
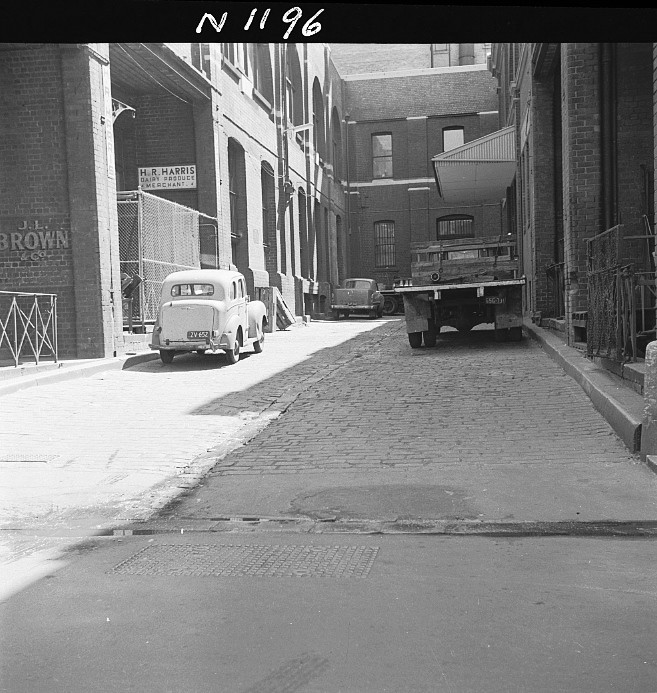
(167, 177)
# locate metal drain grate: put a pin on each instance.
(29, 458)
(242, 560)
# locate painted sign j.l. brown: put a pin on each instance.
(33, 239)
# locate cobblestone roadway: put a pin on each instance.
(468, 429)
(467, 401)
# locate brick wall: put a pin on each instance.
(543, 220)
(634, 113)
(437, 92)
(33, 181)
(654, 121)
(358, 58)
(582, 165)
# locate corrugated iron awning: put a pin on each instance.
(479, 171)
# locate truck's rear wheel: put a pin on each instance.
(515, 334)
(430, 337)
(415, 339)
(166, 355)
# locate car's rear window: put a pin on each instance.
(193, 290)
(357, 284)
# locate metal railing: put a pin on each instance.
(28, 325)
(622, 302)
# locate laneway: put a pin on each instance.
(334, 551)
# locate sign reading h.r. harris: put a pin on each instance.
(167, 177)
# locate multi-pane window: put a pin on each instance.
(454, 226)
(382, 156)
(452, 138)
(384, 243)
(229, 52)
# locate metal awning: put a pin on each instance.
(479, 171)
(152, 68)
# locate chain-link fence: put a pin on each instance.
(156, 237)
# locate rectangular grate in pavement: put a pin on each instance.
(250, 560)
(30, 458)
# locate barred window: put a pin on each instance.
(384, 239)
(454, 226)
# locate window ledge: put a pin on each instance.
(262, 101)
(231, 69)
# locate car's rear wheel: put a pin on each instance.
(259, 342)
(415, 339)
(167, 355)
(200, 352)
(233, 354)
(389, 305)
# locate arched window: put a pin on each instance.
(384, 244)
(293, 86)
(319, 133)
(454, 226)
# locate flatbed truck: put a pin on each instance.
(462, 283)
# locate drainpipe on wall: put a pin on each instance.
(608, 134)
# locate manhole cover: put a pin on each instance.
(242, 560)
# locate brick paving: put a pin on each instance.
(468, 401)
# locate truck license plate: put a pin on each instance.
(494, 299)
(198, 334)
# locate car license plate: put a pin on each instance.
(198, 334)
(494, 299)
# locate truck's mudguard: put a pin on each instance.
(417, 311)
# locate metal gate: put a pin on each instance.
(621, 300)
(156, 237)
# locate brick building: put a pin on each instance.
(239, 145)
(582, 199)
(402, 110)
